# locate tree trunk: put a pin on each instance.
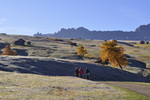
(119, 63)
(120, 66)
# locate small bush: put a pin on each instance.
(81, 51)
(145, 73)
(142, 42)
(92, 45)
(147, 42)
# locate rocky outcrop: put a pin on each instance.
(143, 29)
(141, 33)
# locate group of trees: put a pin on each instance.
(109, 51)
(144, 42)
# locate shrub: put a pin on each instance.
(142, 42)
(147, 42)
(29, 43)
(145, 73)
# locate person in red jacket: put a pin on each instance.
(81, 72)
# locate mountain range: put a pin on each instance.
(140, 33)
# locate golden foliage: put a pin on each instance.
(7, 51)
(81, 51)
(114, 53)
(14, 52)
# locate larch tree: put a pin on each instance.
(114, 53)
(7, 51)
(81, 51)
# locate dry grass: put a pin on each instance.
(14, 86)
(43, 47)
(145, 46)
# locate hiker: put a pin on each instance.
(81, 72)
(87, 73)
(76, 72)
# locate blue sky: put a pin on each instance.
(48, 16)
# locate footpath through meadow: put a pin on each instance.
(138, 88)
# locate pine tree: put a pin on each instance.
(114, 53)
(7, 51)
(81, 51)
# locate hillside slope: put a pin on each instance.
(59, 48)
(59, 67)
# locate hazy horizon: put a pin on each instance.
(28, 17)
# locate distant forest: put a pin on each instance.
(140, 33)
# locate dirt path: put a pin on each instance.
(141, 89)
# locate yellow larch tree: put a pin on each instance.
(114, 53)
(7, 51)
(81, 51)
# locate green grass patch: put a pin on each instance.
(140, 83)
(130, 95)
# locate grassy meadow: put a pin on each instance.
(60, 48)
(15, 86)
